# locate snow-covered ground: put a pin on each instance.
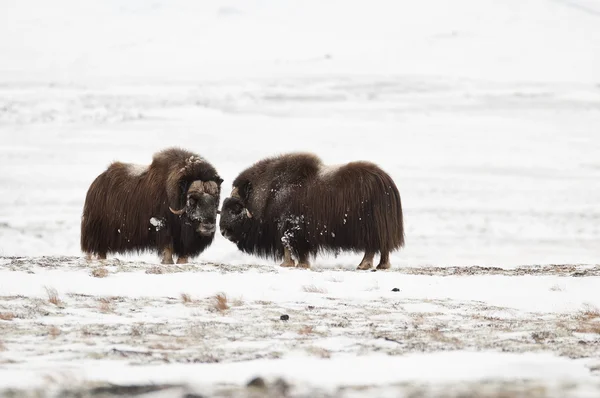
(485, 112)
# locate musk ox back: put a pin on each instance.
(169, 206)
(295, 205)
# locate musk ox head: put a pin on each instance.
(235, 219)
(201, 205)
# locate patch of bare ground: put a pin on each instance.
(99, 272)
(156, 269)
(574, 270)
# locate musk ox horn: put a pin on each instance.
(235, 193)
(177, 212)
(248, 213)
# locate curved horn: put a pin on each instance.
(248, 213)
(177, 212)
(176, 189)
(235, 193)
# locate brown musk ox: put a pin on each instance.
(169, 207)
(294, 205)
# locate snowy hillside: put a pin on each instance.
(484, 112)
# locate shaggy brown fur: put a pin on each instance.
(169, 206)
(293, 204)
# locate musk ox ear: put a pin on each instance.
(241, 192)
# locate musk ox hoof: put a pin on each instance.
(167, 261)
(304, 265)
(386, 265)
(182, 260)
(365, 265)
(288, 264)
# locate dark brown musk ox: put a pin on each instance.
(293, 204)
(169, 206)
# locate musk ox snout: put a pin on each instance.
(234, 219)
(202, 209)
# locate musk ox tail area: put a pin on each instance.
(354, 207)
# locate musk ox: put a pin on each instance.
(169, 206)
(293, 204)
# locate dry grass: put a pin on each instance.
(7, 316)
(186, 298)
(588, 327)
(106, 305)
(220, 302)
(319, 352)
(155, 270)
(589, 311)
(100, 272)
(85, 331)
(437, 335)
(2, 347)
(53, 297)
(137, 330)
(556, 288)
(313, 289)
(238, 302)
(306, 330)
(54, 332)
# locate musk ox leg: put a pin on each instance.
(182, 260)
(167, 255)
(384, 262)
(303, 261)
(101, 256)
(287, 258)
(367, 261)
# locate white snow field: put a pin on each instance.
(486, 113)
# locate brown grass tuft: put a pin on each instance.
(220, 302)
(137, 330)
(53, 297)
(7, 316)
(589, 311)
(305, 330)
(313, 289)
(54, 332)
(100, 272)
(186, 298)
(106, 305)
